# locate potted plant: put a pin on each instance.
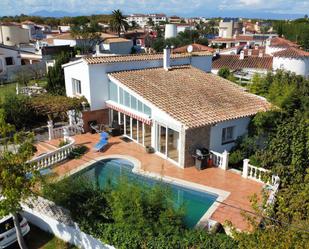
(149, 149)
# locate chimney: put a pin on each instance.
(261, 54)
(256, 47)
(97, 49)
(242, 55)
(249, 52)
(167, 59)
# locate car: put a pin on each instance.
(8, 232)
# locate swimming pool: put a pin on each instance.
(108, 171)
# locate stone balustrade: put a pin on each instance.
(255, 173)
(220, 159)
(53, 157)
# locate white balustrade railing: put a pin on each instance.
(53, 157)
(60, 132)
(255, 173)
(220, 159)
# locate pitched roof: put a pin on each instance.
(196, 48)
(233, 62)
(137, 57)
(191, 96)
(291, 52)
(281, 42)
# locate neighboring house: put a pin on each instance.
(292, 59)
(171, 103)
(13, 34)
(13, 60)
(195, 48)
(142, 19)
(243, 67)
(116, 45)
(239, 40)
(171, 30)
(276, 44)
(228, 28)
(174, 19)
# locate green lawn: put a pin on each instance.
(11, 87)
(38, 239)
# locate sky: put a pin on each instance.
(246, 8)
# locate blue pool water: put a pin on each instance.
(109, 171)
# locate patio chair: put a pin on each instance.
(100, 145)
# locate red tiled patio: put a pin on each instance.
(240, 189)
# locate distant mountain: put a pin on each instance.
(46, 13)
(202, 12)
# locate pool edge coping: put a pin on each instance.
(137, 169)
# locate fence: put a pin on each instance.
(55, 220)
(255, 173)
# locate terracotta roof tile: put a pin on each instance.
(291, 52)
(233, 62)
(191, 96)
(281, 42)
(138, 57)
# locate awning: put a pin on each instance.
(137, 117)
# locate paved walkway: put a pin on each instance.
(240, 189)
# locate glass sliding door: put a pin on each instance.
(134, 129)
(128, 125)
(147, 135)
(173, 144)
(140, 132)
(161, 139)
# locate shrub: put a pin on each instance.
(78, 151)
(62, 143)
(131, 215)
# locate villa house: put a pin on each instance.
(169, 102)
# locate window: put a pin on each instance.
(76, 86)
(120, 95)
(228, 135)
(147, 110)
(9, 61)
(113, 91)
(126, 99)
(133, 103)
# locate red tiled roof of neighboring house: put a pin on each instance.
(234, 39)
(255, 51)
(138, 57)
(191, 96)
(233, 62)
(281, 42)
(196, 48)
(291, 52)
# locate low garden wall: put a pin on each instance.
(55, 220)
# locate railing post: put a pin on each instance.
(50, 127)
(225, 160)
(66, 134)
(245, 168)
(17, 89)
(71, 117)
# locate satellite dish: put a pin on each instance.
(190, 49)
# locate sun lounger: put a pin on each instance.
(100, 145)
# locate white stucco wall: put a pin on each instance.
(13, 35)
(270, 50)
(121, 47)
(62, 42)
(240, 128)
(94, 79)
(299, 66)
(8, 53)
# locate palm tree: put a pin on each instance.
(118, 22)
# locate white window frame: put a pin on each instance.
(76, 87)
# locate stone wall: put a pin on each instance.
(100, 116)
(195, 138)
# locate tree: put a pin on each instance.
(224, 72)
(87, 33)
(150, 23)
(134, 25)
(118, 22)
(55, 75)
(15, 184)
